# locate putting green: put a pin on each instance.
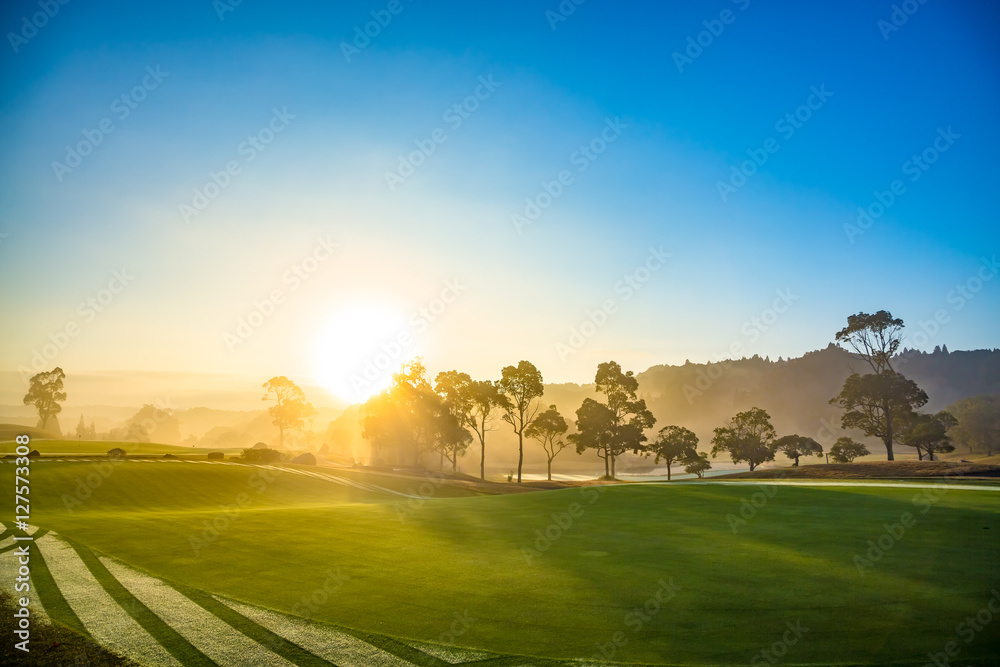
(648, 574)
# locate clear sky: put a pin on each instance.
(626, 133)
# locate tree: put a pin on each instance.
(521, 385)
(81, 428)
(485, 399)
(876, 402)
(45, 392)
(796, 446)
(749, 437)
(290, 409)
(548, 428)
(628, 413)
(674, 444)
(873, 338)
(696, 463)
(978, 425)
(929, 433)
(595, 427)
(845, 450)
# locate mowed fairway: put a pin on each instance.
(411, 567)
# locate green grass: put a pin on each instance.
(411, 569)
(88, 447)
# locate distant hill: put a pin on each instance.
(11, 431)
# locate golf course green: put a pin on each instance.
(653, 574)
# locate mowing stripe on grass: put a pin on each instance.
(452, 654)
(221, 643)
(50, 596)
(169, 638)
(9, 566)
(106, 622)
(329, 644)
(259, 634)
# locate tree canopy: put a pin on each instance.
(877, 402)
(290, 409)
(548, 428)
(674, 444)
(749, 438)
(797, 446)
(846, 449)
(45, 392)
(521, 386)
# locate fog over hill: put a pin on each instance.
(226, 410)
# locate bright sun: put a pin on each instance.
(357, 350)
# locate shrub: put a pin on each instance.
(116, 453)
(255, 455)
(216, 456)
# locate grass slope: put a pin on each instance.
(454, 569)
(57, 445)
(873, 469)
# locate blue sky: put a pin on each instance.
(522, 294)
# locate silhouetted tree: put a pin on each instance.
(674, 444)
(548, 428)
(486, 400)
(521, 385)
(291, 409)
(929, 433)
(845, 450)
(45, 392)
(629, 415)
(748, 437)
(696, 463)
(796, 446)
(595, 425)
(874, 403)
(873, 338)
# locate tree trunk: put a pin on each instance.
(482, 459)
(752, 466)
(550, 470)
(888, 433)
(607, 472)
(520, 453)
(613, 466)
(796, 464)
(281, 437)
(668, 471)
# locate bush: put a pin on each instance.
(216, 456)
(305, 459)
(255, 455)
(116, 453)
